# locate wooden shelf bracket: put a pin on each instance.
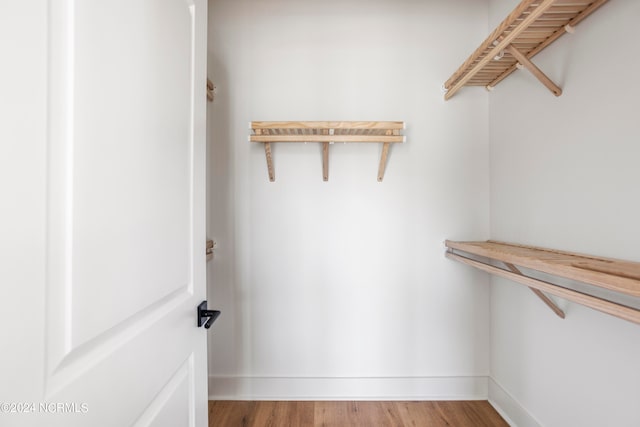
(210, 90)
(211, 245)
(383, 161)
(327, 133)
(533, 69)
(608, 285)
(526, 31)
(545, 299)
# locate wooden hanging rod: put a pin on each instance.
(327, 133)
(528, 29)
(615, 275)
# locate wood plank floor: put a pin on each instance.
(224, 413)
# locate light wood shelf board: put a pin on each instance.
(619, 276)
(349, 125)
(326, 133)
(612, 274)
(326, 138)
(530, 27)
(608, 307)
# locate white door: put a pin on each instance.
(107, 192)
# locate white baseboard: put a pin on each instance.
(509, 408)
(390, 388)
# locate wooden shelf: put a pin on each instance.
(327, 133)
(610, 275)
(530, 28)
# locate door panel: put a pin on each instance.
(171, 405)
(130, 234)
(125, 219)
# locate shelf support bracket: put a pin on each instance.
(210, 90)
(211, 245)
(383, 161)
(267, 152)
(325, 161)
(548, 301)
(526, 62)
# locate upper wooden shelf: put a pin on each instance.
(532, 26)
(617, 276)
(327, 133)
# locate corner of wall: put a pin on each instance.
(508, 407)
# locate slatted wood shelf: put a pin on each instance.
(327, 133)
(530, 28)
(612, 275)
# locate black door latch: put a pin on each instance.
(206, 317)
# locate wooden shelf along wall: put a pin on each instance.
(601, 278)
(530, 28)
(327, 133)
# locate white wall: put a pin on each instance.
(340, 288)
(565, 174)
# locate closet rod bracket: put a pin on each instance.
(545, 299)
